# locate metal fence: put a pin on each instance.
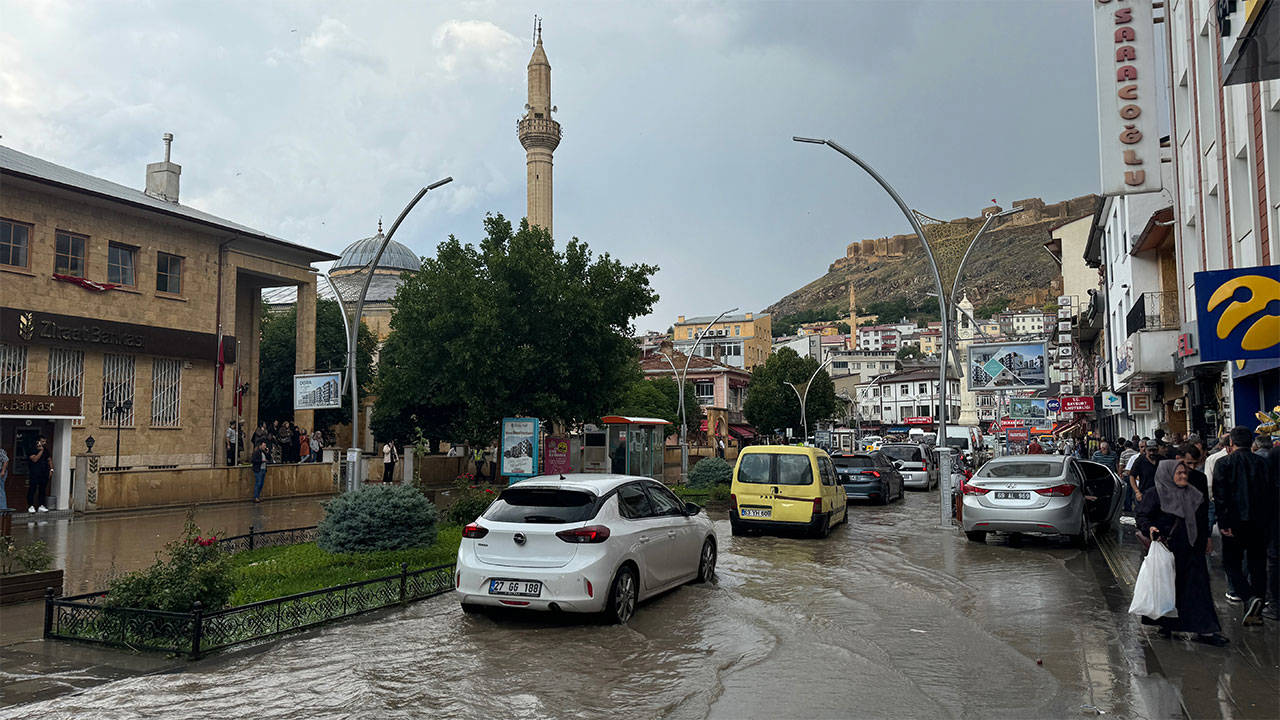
(271, 538)
(87, 618)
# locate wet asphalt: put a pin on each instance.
(888, 617)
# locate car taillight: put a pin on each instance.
(733, 503)
(975, 490)
(817, 506)
(1057, 490)
(872, 473)
(474, 531)
(588, 534)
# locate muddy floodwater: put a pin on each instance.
(888, 617)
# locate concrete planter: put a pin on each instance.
(29, 586)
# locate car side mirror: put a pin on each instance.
(692, 508)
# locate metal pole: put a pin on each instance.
(804, 426)
(346, 331)
(684, 443)
(353, 452)
(119, 422)
(944, 511)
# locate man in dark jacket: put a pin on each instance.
(1244, 500)
(1272, 609)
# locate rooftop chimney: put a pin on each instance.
(162, 177)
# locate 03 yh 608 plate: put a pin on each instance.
(756, 512)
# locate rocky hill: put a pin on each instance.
(1011, 262)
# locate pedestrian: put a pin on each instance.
(720, 448)
(4, 473)
(295, 441)
(304, 447)
(38, 472)
(229, 442)
(1246, 509)
(1176, 513)
(317, 445)
(277, 452)
(389, 458)
(477, 456)
(259, 435)
(1142, 476)
(1034, 448)
(1104, 456)
(1271, 610)
(261, 458)
(1127, 458)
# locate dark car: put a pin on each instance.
(912, 461)
(870, 476)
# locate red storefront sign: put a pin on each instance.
(1077, 404)
(919, 421)
(1006, 423)
(1016, 434)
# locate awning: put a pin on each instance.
(1078, 423)
(742, 432)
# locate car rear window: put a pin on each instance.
(542, 505)
(905, 453)
(755, 468)
(1022, 468)
(853, 463)
(794, 470)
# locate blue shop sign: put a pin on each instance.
(1238, 313)
(898, 429)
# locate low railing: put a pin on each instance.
(271, 538)
(86, 618)
(1153, 311)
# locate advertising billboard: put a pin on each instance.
(1234, 315)
(1007, 366)
(317, 391)
(1028, 408)
(519, 447)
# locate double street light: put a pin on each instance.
(803, 395)
(680, 381)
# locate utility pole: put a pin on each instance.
(680, 379)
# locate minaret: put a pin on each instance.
(539, 134)
(964, 334)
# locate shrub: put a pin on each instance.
(192, 568)
(28, 558)
(377, 517)
(710, 472)
(469, 501)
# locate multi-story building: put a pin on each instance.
(910, 393)
(879, 337)
(1023, 323)
(742, 341)
(124, 313)
(721, 390)
(802, 345)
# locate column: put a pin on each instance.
(305, 359)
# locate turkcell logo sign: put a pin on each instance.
(1238, 313)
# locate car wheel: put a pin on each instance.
(823, 528)
(884, 494)
(623, 595)
(707, 561)
(978, 536)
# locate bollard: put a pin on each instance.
(250, 537)
(48, 611)
(197, 622)
(404, 579)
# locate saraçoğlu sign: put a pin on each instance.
(1129, 142)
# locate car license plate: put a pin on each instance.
(1013, 495)
(523, 588)
(757, 512)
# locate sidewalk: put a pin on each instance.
(1241, 680)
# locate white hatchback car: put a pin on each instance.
(583, 543)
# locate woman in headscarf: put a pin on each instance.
(1176, 513)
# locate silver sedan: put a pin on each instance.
(1040, 494)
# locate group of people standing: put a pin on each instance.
(1178, 493)
(39, 471)
(285, 441)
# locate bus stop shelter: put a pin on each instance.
(636, 445)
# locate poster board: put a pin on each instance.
(519, 448)
(317, 391)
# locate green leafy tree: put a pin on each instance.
(843, 328)
(910, 352)
(513, 326)
(660, 398)
(279, 344)
(772, 404)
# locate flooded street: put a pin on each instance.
(889, 617)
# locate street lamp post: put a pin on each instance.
(804, 395)
(119, 410)
(680, 380)
(353, 329)
(945, 465)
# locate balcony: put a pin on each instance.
(1152, 312)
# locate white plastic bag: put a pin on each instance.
(1153, 594)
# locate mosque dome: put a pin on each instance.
(396, 257)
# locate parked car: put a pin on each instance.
(590, 543)
(913, 459)
(869, 476)
(781, 487)
(1040, 494)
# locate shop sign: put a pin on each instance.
(1129, 141)
(1235, 315)
(40, 406)
(1064, 326)
(1077, 403)
(1053, 404)
(1186, 346)
(1064, 301)
(1111, 401)
(1140, 402)
(1064, 312)
(25, 327)
(1006, 423)
(918, 420)
(1017, 434)
(1068, 388)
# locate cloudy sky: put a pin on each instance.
(309, 120)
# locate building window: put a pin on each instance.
(117, 387)
(924, 389)
(922, 410)
(14, 240)
(168, 273)
(705, 390)
(120, 264)
(903, 389)
(166, 388)
(66, 372)
(13, 369)
(68, 255)
(737, 330)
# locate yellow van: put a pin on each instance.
(779, 487)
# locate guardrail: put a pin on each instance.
(87, 618)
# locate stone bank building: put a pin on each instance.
(122, 309)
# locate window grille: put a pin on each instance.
(166, 389)
(117, 386)
(66, 372)
(13, 369)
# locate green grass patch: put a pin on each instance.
(279, 571)
(716, 493)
